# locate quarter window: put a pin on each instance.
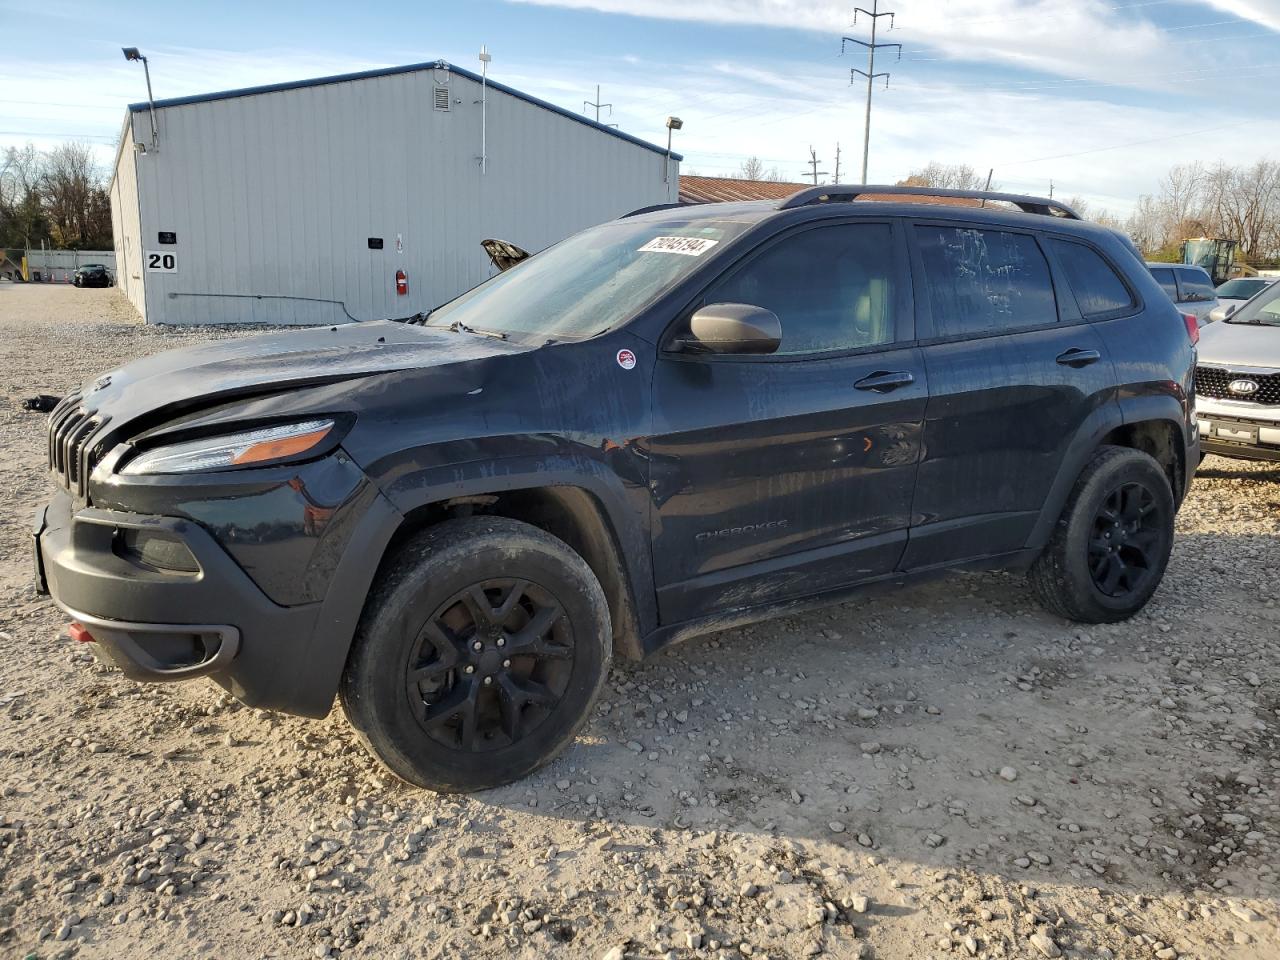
(984, 281)
(1097, 288)
(831, 287)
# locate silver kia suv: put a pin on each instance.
(1238, 381)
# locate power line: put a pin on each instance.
(870, 73)
(47, 133)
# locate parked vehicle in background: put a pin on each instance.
(1190, 288)
(92, 275)
(681, 420)
(1238, 381)
(1235, 293)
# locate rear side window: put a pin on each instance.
(1097, 288)
(1195, 286)
(984, 281)
(831, 287)
(1164, 277)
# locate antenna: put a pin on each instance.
(485, 58)
(597, 104)
(870, 73)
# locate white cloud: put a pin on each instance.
(1094, 39)
(1265, 13)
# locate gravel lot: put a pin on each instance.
(946, 771)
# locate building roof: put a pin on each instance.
(729, 189)
(694, 189)
(392, 71)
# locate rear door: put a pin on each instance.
(1014, 372)
(782, 476)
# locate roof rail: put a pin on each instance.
(841, 193)
(651, 208)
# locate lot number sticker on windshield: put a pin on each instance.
(688, 246)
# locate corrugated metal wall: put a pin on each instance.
(275, 195)
(126, 227)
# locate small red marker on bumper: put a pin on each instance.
(79, 634)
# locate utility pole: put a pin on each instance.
(597, 104)
(1050, 189)
(870, 73)
(836, 177)
(813, 166)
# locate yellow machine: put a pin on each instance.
(1214, 254)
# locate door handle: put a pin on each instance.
(1075, 357)
(883, 381)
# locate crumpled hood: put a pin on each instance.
(267, 363)
(1239, 344)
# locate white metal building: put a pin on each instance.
(299, 202)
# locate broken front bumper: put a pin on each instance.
(201, 616)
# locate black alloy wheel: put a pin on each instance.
(483, 645)
(1110, 546)
(490, 664)
(1126, 535)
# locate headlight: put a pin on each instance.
(232, 450)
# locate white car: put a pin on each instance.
(1233, 294)
(1188, 286)
(1238, 381)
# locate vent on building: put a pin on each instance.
(442, 98)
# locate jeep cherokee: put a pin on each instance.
(679, 421)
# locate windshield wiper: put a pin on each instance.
(459, 325)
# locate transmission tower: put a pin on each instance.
(813, 166)
(870, 73)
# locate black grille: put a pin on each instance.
(70, 454)
(1213, 382)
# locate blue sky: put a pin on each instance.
(1099, 96)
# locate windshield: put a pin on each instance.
(1240, 289)
(590, 282)
(1263, 309)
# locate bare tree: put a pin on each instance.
(1238, 203)
(74, 197)
(947, 176)
(752, 168)
(21, 208)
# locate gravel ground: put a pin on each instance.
(946, 771)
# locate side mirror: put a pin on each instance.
(733, 328)
(1231, 308)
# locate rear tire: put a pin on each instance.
(1110, 547)
(478, 656)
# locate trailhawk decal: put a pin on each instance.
(688, 246)
(626, 359)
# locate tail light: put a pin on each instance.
(1193, 327)
(402, 283)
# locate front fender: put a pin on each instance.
(613, 475)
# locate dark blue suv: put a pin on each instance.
(683, 420)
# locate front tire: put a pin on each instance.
(479, 654)
(1110, 548)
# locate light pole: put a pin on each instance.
(131, 53)
(673, 124)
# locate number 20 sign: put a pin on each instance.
(161, 262)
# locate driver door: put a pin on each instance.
(781, 476)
